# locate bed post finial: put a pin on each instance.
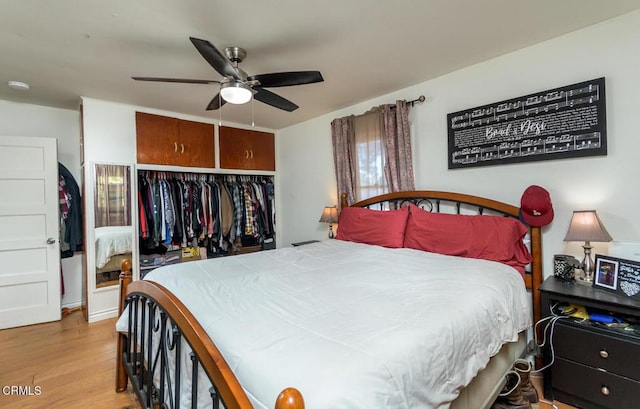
(290, 398)
(125, 279)
(343, 201)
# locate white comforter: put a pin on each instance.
(112, 240)
(352, 325)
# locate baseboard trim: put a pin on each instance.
(103, 315)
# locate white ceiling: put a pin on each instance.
(364, 48)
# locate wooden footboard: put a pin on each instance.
(157, 322)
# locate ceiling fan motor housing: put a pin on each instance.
(235, 54)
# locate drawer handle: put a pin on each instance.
(604, 354)
(605, 391)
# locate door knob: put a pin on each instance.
(51, 240)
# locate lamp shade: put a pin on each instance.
(235, 92)
(329, 215)
(586, 226)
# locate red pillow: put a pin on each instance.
(495, 238)
(379, 227)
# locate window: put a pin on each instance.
(369, 156)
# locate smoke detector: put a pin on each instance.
(23, 86)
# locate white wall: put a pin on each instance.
(64, 125)
(607, 184)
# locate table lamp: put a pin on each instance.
(586, 226)
(329, 215)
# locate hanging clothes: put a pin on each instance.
(195, 210)
(71, 237)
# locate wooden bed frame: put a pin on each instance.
(146, 297)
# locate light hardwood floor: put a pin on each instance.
(73, 364)
(70, 361)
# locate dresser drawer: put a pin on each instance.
(577, 384)
(596, 349)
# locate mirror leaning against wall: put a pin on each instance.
(113, 221)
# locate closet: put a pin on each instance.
(173, 150)
(186, 216)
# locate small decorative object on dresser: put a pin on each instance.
(564, 267)
(586, 226)
(329, 215)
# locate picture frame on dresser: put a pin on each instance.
(606, 275)
(618, 275)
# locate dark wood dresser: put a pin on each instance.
(595, 365)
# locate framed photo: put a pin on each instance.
(606, 273)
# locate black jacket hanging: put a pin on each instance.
(73, 225)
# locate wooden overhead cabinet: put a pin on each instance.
(162, 140)
(247, 149)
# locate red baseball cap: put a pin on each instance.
(535, 206)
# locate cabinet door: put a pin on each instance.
(156, 138)
(195, 145)
(247, 149)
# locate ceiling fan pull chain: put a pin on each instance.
(253, 124)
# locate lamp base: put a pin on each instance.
(587, 263)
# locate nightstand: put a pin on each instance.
(302, 243)
(596, 366)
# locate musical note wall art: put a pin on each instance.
(565, 122)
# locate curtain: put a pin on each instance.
(111, 197)
(372, 152)
(342, 137)
(397, 139)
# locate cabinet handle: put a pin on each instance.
(251, 152)
(604, 354)
(175, 146)
(246, 154)
(182, 144)
(604, 390)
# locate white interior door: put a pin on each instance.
(29, 248)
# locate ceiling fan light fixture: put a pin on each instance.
(235, 92)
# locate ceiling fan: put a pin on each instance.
(237, 87)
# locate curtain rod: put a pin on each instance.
(420, 99)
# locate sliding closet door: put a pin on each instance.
(29, 249)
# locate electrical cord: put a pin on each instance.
(550, 328)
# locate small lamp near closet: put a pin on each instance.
(329, 215)
(586, 226)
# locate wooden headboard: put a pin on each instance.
(448, 202)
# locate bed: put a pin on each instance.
(112, 241)
(348, 324)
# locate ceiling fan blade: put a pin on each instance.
(285, 79)
(179, 80)
(215, 58)
(216, 103)
(274, 100)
